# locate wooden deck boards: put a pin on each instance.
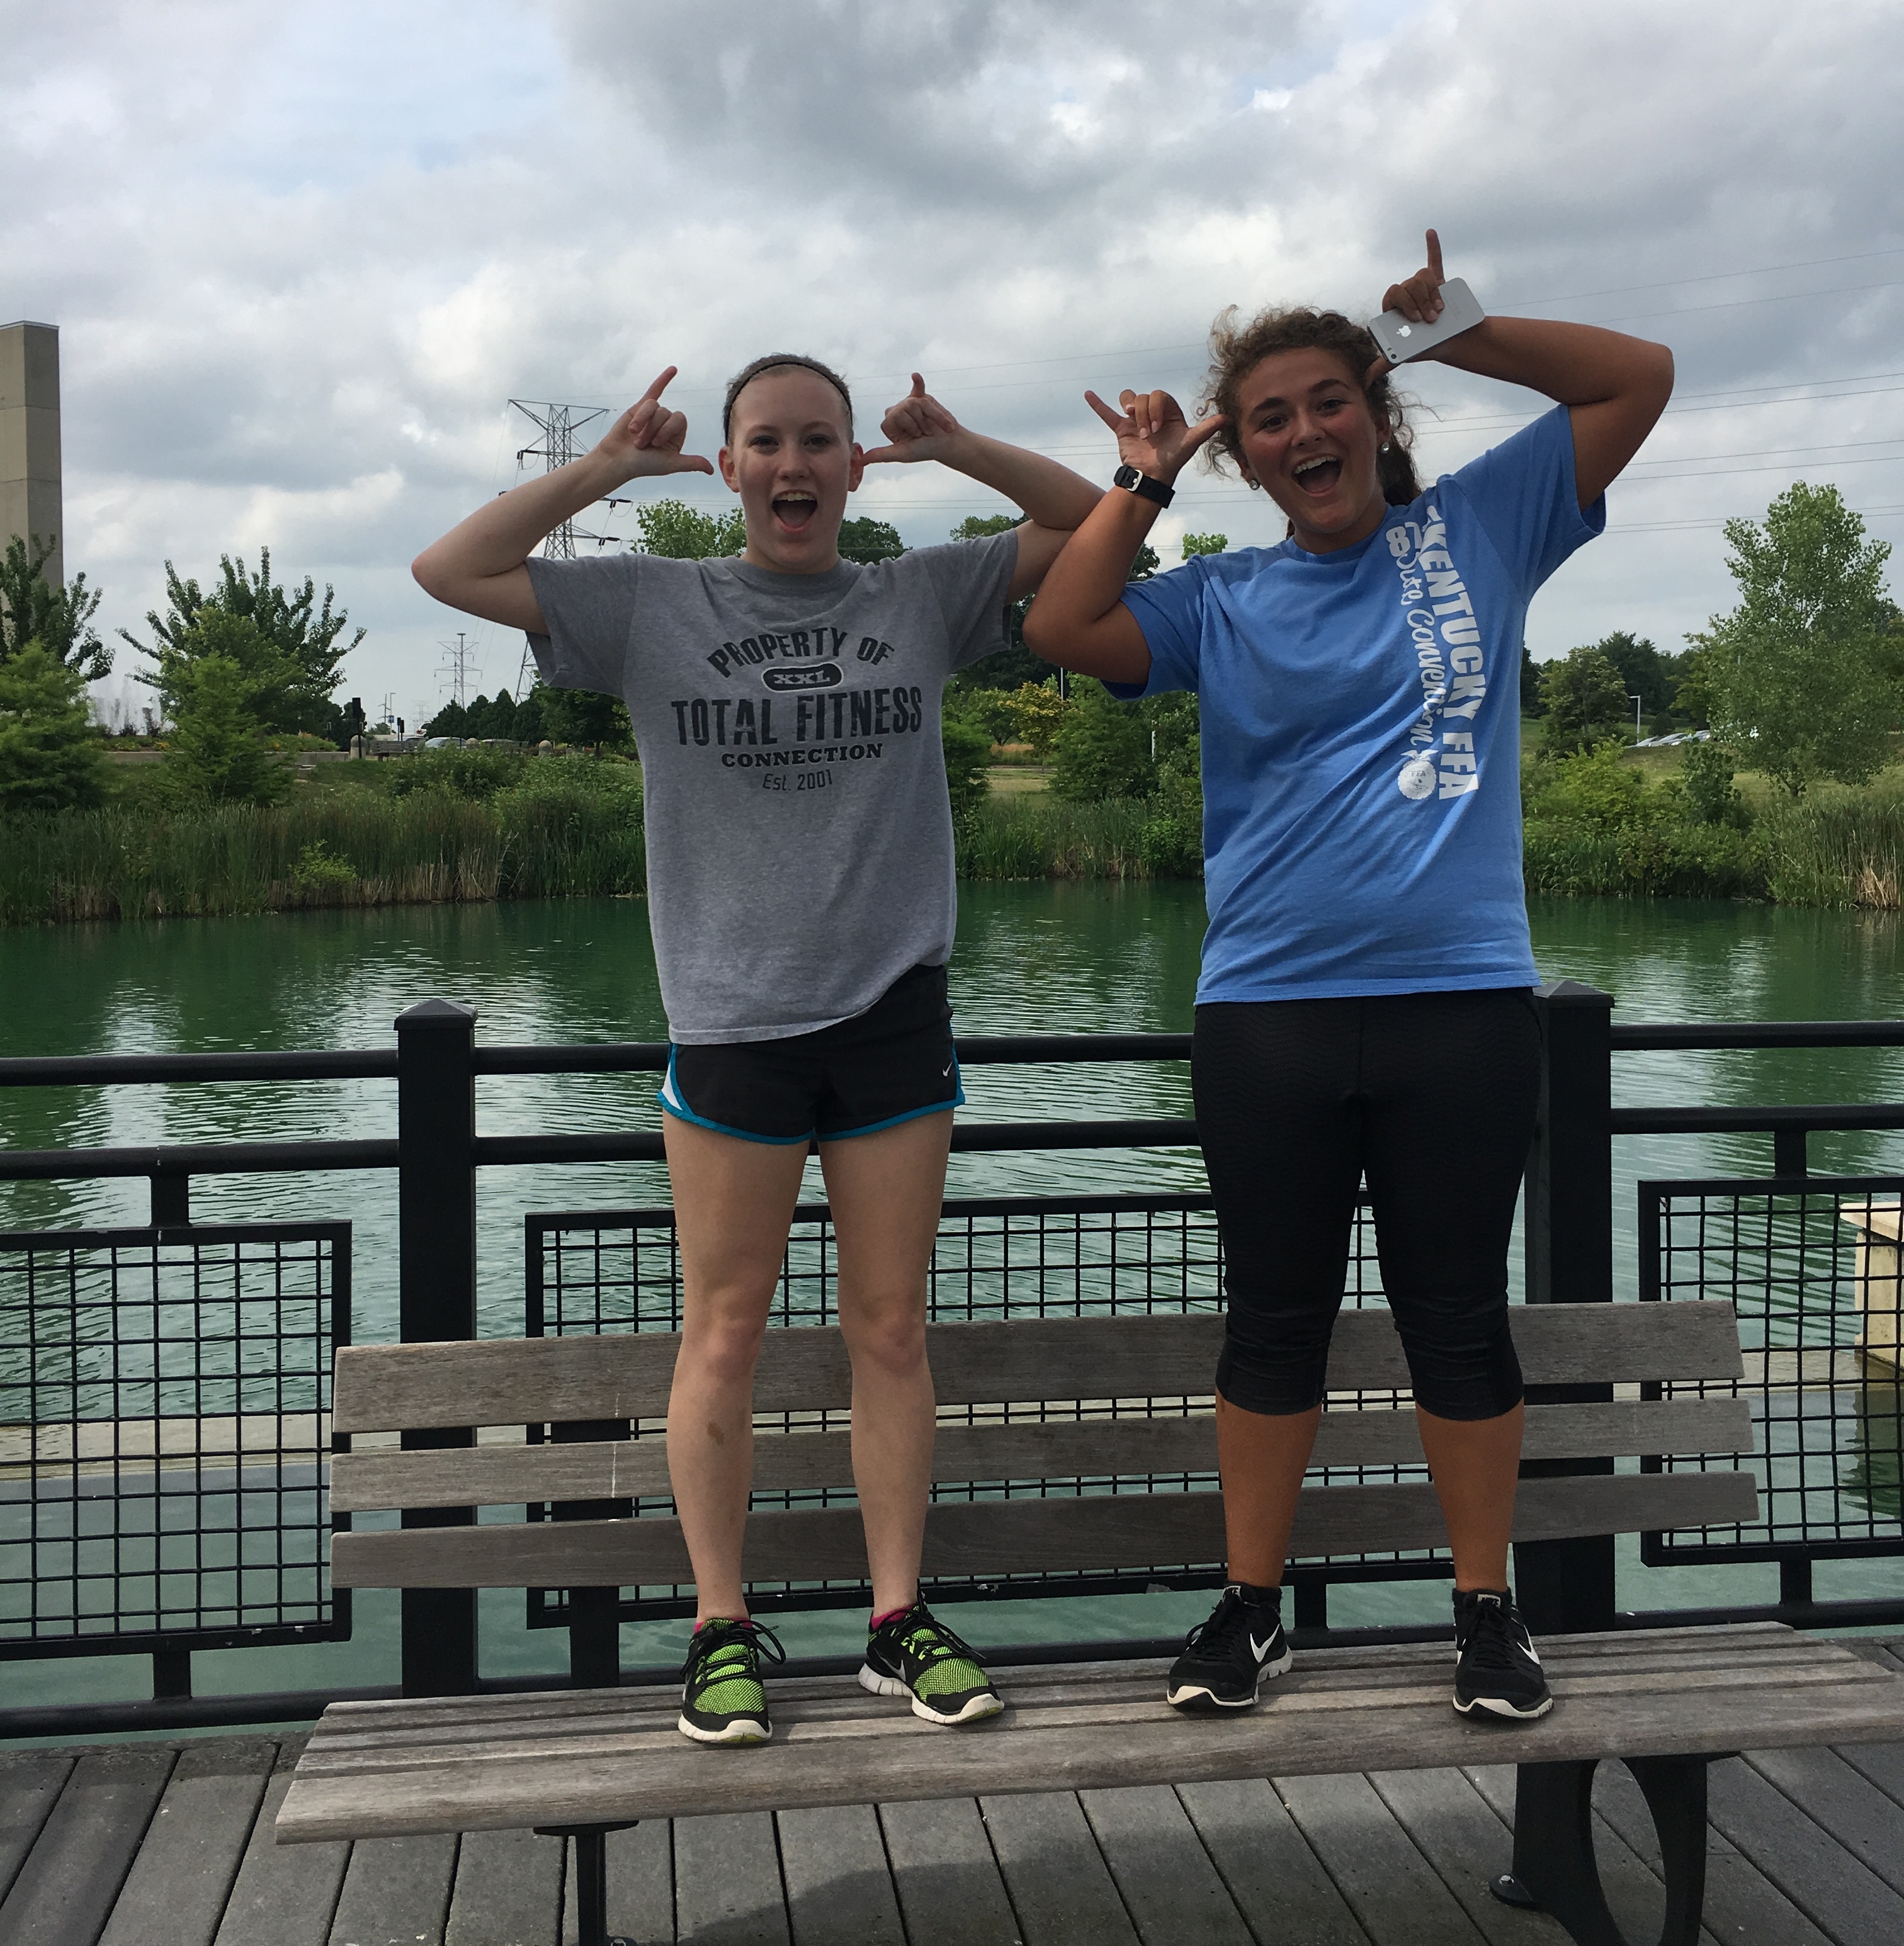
(118, 1845)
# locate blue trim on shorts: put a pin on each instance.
(958, 1100)
(678, 1108)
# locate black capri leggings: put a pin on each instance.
(1431, 1095)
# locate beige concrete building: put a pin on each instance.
(29, 439)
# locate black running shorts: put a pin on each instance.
(889, 1064)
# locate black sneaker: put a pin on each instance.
(912, 1655)
(723, 1699)
(1225, 1658)
(1497, 1671)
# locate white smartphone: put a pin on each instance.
(1401, 339)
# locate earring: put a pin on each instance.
(1385, 446)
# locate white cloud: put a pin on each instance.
(301, 259)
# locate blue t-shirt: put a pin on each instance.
(1361, 734)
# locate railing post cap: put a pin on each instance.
(437, 1013)
(1572, 993)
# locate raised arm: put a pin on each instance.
(1613, 386)
(1056, 499)
(1079, 619)
(479, 565)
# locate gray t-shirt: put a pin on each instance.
(799, 838)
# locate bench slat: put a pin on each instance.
(503, 1381)
(991, 1537)
(613, 1754)
(1058, 1448)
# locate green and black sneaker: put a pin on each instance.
(910, 1654)
(723, 1699)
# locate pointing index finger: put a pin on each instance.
(1104, 412)
(1435, 258)
(659, 386)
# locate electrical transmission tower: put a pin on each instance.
(559, 424)
(458, 659)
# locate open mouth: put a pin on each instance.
(1317, 476)
(795, 510)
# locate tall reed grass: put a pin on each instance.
(1032, 835)
(1844, 849)
(342, 849)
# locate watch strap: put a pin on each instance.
(1144, 486)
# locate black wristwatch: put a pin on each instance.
(1143, 486)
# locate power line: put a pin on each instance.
(1712, 277)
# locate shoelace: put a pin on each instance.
(715, 1641)
(1221, 1628)
(1488, 1634)
(941, 1644)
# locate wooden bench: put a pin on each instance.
(588, 1760)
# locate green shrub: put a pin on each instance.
(968, 762)
(1706, 772)
(474, 775)
(50, 760)
(1102, 748)
(217, 755)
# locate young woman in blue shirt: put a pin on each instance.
(1364, 1009)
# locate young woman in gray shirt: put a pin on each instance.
(785, 704)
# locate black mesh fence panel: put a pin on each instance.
(621, 1270)
(1814, 1273)
(164, 1424)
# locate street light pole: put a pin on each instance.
(1635, 701)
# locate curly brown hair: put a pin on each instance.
(1236, 348)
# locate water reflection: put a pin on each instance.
(1063, 957)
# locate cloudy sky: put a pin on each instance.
(302, 258)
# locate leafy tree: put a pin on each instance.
(1145, 565)
(866, 540)
(1197, 544)
(499, 718)
(1646, 673)
(216, 756)
(1172, 838)
(1012, 667)
(306, 634)
(271, 681)
(1585, 701)
(1037, 712)
(50, 759)
(1531, 704)
(452, 720)
(1802, 675)
(1706, 775)
(968, 761)
(579, 716)
(1102, 748)
(59, 619)
(677, 532)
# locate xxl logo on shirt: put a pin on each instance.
(1446, 634)
(821, 675)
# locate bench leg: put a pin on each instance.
(1554, 1865)
(591, 1843)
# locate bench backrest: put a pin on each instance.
(1083, 1368)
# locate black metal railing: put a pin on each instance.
(438, 1152)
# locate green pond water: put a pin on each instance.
(1042, 957)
